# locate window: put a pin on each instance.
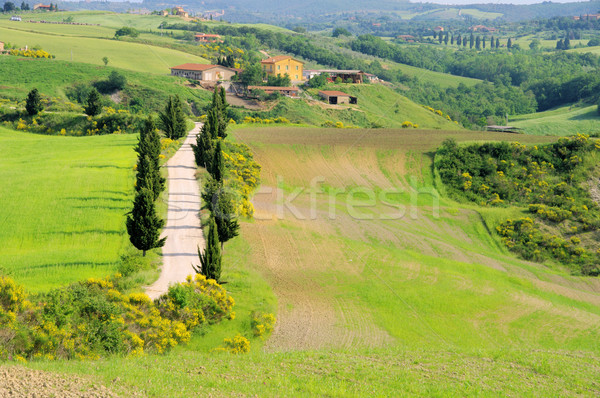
(287, 67)
(296, 67)
(296, 77)
(278, 67)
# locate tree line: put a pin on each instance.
(208, 152)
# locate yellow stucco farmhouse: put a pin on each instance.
(282, 64)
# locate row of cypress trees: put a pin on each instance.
(208, 152)
(143, 224)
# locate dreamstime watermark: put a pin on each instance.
(319, 200)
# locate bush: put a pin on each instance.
(94, 318)
(127, 31)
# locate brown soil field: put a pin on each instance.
(16, 381)
(307, 255)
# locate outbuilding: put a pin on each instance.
(201, 72)
(337, 97)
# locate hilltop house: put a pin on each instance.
(42, 7)
(482, 28)
(282, 64)
(206, 38)
(337, 97)
(203, 73)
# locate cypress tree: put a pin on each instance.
(94, 105)
(446, 38)
(483, 42)
(452, 40)
(143, 225)
(459, 40)
(464, 41)
(149, 145)
(440, 37)
(172, 120)
(497, 43)
(33, 103)
(204, 148)
(210, 259)
(218, 165)
(212, 123)
(509, 43)
(471, 41)
(567, 43)
(144, 178)
(225, 219)
(478, 43)
(219, 106)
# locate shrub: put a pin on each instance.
(237, 345)
(262, 324)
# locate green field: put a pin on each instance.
(74, 47)
(566, 120)
(524, 42)
(63, 203)
(425, 304)
(380, 104)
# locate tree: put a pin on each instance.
(172, 120)
(446, 37)
(218, 164)
(534, 45)
(497, 42)
(252, 75)
(126, 31)
(24, 6)
(567, 43)
(509, 43)
(471, 40)
(318, 80)
(452, 40)
(204, 148)
(225, 218)
(337, 32)
(105, 60)
(440, 37)
(560, 45)
(148, 170)
(492, 42)
(219, 104)
(210, 259)
(33, 103)
(459, 40)
(9, 6)
(464, 41)
(483, 42)
(116, 81)
(143, 225)
(93, 105)
(478, 43)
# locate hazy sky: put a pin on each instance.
(458, 2)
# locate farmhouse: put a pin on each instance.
(482, 28)
(207, 73)
(587, 17)
(406, 38)
(42, 7)
(205, 38)
(282, 64)
(337, 97)
(287, 91)
(438, 29)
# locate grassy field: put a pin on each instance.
(380, 104)
(53, 78)
(63, 203)
(566, 120)
(524, 42)
(77, 47)
(371, 302)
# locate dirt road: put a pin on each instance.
(183, 230)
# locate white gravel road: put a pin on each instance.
(183, 230)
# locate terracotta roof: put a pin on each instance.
(334, 93)
(197, 67)
(207, 35)
(278, 58)
(273, 88)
